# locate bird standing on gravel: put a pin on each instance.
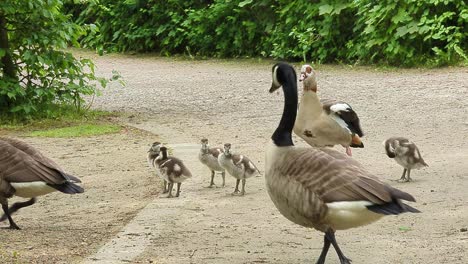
(239, 166)
(153, 153)
(322, 188)
(209, 157)
(26, 173)
(172, 170)
(405, 153)
(325, 122)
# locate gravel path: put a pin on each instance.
(227, 101)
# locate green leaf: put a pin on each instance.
(325, 9)
(245, 2)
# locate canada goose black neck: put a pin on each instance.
(286, 76)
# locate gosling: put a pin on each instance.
(172, 170)
(405, 153)
(209, 157)
(153, 153)
(239, 166)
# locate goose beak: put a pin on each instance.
(356, 142)
(302, 77)
(273, 88)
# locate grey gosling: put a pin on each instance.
(322, 188)
(153, 153)
(209, 157)
(406, 154)
(25, 172)
(172, 170)
(239, 166)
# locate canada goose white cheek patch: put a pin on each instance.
(275, 78)
(177, 167)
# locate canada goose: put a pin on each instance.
(209, 157)
(321, 187)
(153, 153)
(172, 170)
(325, 122)
(26, 173)
(405, 153)
(239, 166)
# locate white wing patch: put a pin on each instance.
(251, 165)
(340, 107)
(177, 167)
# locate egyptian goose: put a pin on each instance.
(209, 157)
(239, 166)
(325, 122)
(172, 170)
(406, 154)
(322, 188)
(25, 172)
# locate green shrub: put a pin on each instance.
(395, 32)
(37, 74)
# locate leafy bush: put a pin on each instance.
(409, 32)
(401, 32)
(37, 74)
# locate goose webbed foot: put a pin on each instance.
(236, 190)
(403, 178)
(169, 195)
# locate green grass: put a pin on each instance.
(62, 122)
(80, 130)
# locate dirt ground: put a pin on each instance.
(178, 102)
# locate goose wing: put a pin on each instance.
(334, 177)
(243, 162)
(345, 113)
(20, 162)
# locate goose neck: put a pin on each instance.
(283, 134)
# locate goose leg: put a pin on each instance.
(212, 179)
(170, 190)
(403, 179)
(408, 179)
(178, 189)
(323, 255)
(4, 203)
(223, 174)
(330, 235)
(166, 184)
(243, 187)
(236, 191)
(16, 206)
(348, 151)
